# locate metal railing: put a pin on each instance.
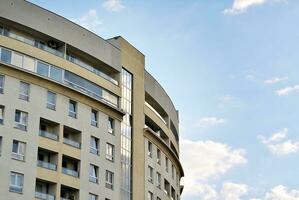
(93, 179)
(46, 165)
(48, 135)
(93, 150)
(71, 143)
(17, 156)
(16, 188)
(70, 172)
(44, 196)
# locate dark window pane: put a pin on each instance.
(56, 73)
(42, 69)
(6, 56)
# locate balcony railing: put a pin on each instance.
(65, 198)
(70, 172)
(94, 150)
(46, 165)
(16, 188)
(17, 156)
(93, 179)
(48, 135)
(44, 196)
(71, 143)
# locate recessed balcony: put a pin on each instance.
(48, 129)
(70, 166)
(47, 159)
(45, 190)
(68, 193)
(72, 137)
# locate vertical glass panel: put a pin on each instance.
(42, 68)
(17, 60)
(5, 56)
(28, 63)
(56, 73)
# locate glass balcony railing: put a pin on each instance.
(16, 188)
(71, 143)
(70, 172)
(93, 150)
(93, 179)
(48, 135)
(44, 196)
(46, 165)
(17, 156)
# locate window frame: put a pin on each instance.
(26, 86)
(109, 183)
(2, 114)
(50, 105)
(74, 113)
(20, 124)
(2, 83)
(108, 156)
(94, 114)
(13, 185)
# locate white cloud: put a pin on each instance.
(279, 145)
(275, 80)
(281, 192)
(241, 6)
(210, 121)
(113, 5)
(204, 161)
(233, 191)
(90, 20)
(287, 90)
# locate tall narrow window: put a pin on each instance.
(42, 69)
(109, 152)
(51, 100)
(150, 196)
(1, 84)
(93, 173)
(172, 171)
(16, 182)
(18, 150)
(94, 145)
(24, 91)
(158, 156)
(109, 179)
(166, 164)
(94, 117)
(150, 174)
(1, 114)
(149, 149)
(5, 56)
(111, 125)
(0, 145)
(92, 197)
(73, 109)
(158, 180)
(21, 120)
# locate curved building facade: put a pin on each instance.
(80, 117)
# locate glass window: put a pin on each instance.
(21, 119)
(0, 145)
(94, 117)
(109, 151)
(111, 125)
(158, 156)
(150, 149)
(5, 56)
(92, 197)
(1, 84)
(24, 91)
(28, 63)
(149, 196)
(166, 164)
(172, 171)
(94, 145)
(109, 179)
(56, 73)
(1, 114)
(150, 174)
(18, 150)
(17, 59)
(158, 180)
(42, 69)
(73, 109)
(16, 182)
(51, 100)
(93, 173)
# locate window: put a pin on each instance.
(17, 59)
(1, 84)
(166, 164)
(172, 171)
(158, 180)
(109, 152)
(21, 119)
(0, 145)
(29, 63)
(150, 174)
(73, 109)
(177, 179)
(18, 150)
(94, 145)
(1, 114)
(51, 100)
(94, 117)
(111, 125)
(92, 197)
(150, 196)
(159, 156)
(16, 182)
(150, 149)
(93, 173)
(166, 187)
(109, 179)
(56, 73)
(42, 68)
(24, 91)
(5, 56)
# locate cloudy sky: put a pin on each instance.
(231, 67)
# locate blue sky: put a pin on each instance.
(231, 68)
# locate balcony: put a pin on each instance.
(68, 193)
(70, 166)
(72, 137)
(47, 159)
(49, 129)
(45, 190)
